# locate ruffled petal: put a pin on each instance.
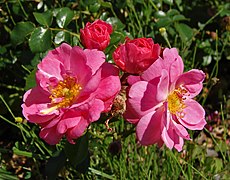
(94, 59)
(142, 98)
(192, 81)
(50, 135)
(194, 115)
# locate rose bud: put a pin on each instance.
(135, 56)
(96, 35)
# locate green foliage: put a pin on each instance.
(28, 29)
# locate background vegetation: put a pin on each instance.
(200, 31)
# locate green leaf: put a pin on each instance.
(78, 152)
(31, 80)
(44, 18)
(61, 36)
(179, 17)
(116, 23)
(40, 40)
(185, 32)
(173, 12)
(163, 22)
(169, 2)
(64, 16)
(20, 31)
(159, 14)
(116, 37)
(94, 8)
(207, 60)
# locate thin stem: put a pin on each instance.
(8, 108)
(11, 17)
(8, 121)
(23, 10)
(58, 29)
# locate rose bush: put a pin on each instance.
(135, 56)
(74, 87)
(160, 102)
(96, 35)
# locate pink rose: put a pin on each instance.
(160, 102)
(74, 87)
(135, 56)
(96, 35)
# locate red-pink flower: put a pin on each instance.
(135, 56)
(160, 102)
(96, 35)
(74, 87)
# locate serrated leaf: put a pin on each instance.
(64, 17)
(78, 152)
(40, 40)
(61, 36)
(20, 31)
(31, 80)
(185, 32)
(44, 18)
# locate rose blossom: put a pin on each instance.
(135, 56)
(74, 87)
(160, 102)
(96, 35)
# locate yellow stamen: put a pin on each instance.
(176, 101)
(64, 94)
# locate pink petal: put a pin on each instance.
(153, 71)
(60, 53)
(50, 135)
(77, 131)
(194, 115)
(192, 81)
(162, 86)
(142, 97)
(172, 62)
(32, 113)
(148, 129)
(130, 114)
(179, 144)
(69, 120)
(168, 140)
(94, 59)
(176, 67)
(133, 79)
(50, 68)
(110, 84)
(77, 65)
(95, 110)
(35, 96)
(180, 130)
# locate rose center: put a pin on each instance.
(65, 92)
(176, 101)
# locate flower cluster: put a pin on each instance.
(75, 85)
